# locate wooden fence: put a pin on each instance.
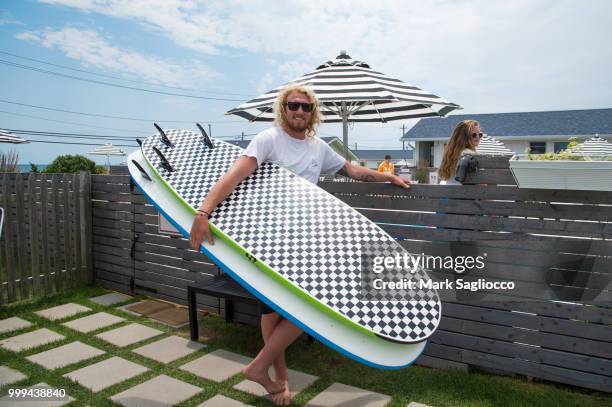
(46, 238)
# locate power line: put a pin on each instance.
(117, 117)
(76, 124)
(116, 77)
(69, 135)
(31, 68)
(81, 144)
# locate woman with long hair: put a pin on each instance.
(464, 140)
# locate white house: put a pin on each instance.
(539, 132)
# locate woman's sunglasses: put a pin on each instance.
(294, 106)
(479, 135)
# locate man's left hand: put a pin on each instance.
(399, 181)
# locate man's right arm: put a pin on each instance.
(242, 168)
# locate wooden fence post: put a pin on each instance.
(66, 213)
(88, 227)
(21, 237)
(44, 220)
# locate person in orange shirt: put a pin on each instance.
(387, 165)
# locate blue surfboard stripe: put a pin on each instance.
(271, 304)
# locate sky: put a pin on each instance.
(196, 59)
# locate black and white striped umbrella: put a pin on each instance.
(6, 137)
(593, 147)
(491, 146)
(349, 90)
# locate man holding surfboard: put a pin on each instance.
(293, 144)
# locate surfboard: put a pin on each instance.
(361, 346)
(310, 242)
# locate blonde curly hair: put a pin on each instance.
(281, 114)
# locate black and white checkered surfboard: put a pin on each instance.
(288, 226)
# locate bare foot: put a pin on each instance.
(282, 398)
(262, 377)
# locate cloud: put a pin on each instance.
(91, 49)
(483, 55)
(7, 18)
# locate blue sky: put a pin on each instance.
(485, 56)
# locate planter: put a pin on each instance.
(562, 174)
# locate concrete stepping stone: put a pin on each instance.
(169, 349)
(110, 298)
(10, 376)
(106, 373)
(13, 324)
(159, 391)
(93, 322)
(65, 355)
(6, 401)
(415, 404)
(30, 340)
(217, 366)
(298, 381)
(342, 395)
(62, 311)
(222, 401)
(129, 334)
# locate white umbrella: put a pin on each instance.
(7, 137)
(350, 90)
(593, 147)
(107, 150)
(491, 146)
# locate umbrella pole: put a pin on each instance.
(344, 113)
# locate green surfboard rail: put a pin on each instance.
(260, 265)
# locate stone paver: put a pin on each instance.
(13, 324)
(6, 401)
(110, 298)
(62, 311)
(10, 376)
(30, 340)
(106, 373)
(65, 355)
(168, 349)
(222, 401)
(341, 394)
(129, 334)
(415, 404)
(218, 365)
(298, 381)
(160, 391)
(93, 322)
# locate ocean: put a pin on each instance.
(26, 167)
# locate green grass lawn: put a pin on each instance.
(437, 388)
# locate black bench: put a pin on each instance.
(222, 286)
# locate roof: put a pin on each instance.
(380, 154)
(554, 123)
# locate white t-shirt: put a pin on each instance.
(307, 158)
(452, 180)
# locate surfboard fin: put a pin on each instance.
(207, 139)
(142, 170)
(164, 160)
(164, 138)
(139, 141)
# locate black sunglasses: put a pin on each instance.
(479, 135)
(294, 106)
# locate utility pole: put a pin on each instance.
(209, 130)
